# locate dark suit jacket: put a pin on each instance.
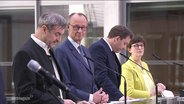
(76, 74)
(105, 78)
(2, 95)
(32, 88)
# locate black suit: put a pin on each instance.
(29, 86)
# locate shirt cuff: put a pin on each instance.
(91, 98)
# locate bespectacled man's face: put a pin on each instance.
(77, 28)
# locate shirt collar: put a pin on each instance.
(41, 44)
(108, 43)
(76, 45)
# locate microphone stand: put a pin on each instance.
(158, 58)
(38, 69)
(60, 100)
(156, 87)
(125, 83)
(156, 90)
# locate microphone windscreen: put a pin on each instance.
(33, 65)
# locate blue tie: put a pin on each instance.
(82, 54)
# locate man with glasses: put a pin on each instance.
(103, 51)
(78, 71)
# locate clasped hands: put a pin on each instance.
(100, 97)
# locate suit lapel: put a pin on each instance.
(44, 61)
(77, 55)
(111, 56)
(42, 52)
(138, 72)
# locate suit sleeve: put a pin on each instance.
(101, 73)
(64, 64)
(25, 82)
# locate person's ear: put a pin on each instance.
(44, 28)
(129, 50)
(117, 38)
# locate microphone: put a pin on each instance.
(125, 84)
(175, 63)
(158, 58)
(156, 87)
(134, 62)
(36, 67)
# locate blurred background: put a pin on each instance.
(161, 22)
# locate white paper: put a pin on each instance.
(167, 93)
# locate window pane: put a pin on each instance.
(161, 24)
(94, 13)
(16, 25)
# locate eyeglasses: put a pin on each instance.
(138, 45)
(77, 27)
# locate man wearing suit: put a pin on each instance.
(103, 51)
(30, 87)
(77, 70)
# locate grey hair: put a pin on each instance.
(51, 20)
(80, 14)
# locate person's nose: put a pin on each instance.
(139, 47)
(80, 29)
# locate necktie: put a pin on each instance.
(82, 54)
(118, 64)
(116, 59)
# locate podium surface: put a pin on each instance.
(134, 101)
(171, 100)
(161, 100)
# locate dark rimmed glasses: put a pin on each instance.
(138, 45)
(77, 27)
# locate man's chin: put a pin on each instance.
(52, 45)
